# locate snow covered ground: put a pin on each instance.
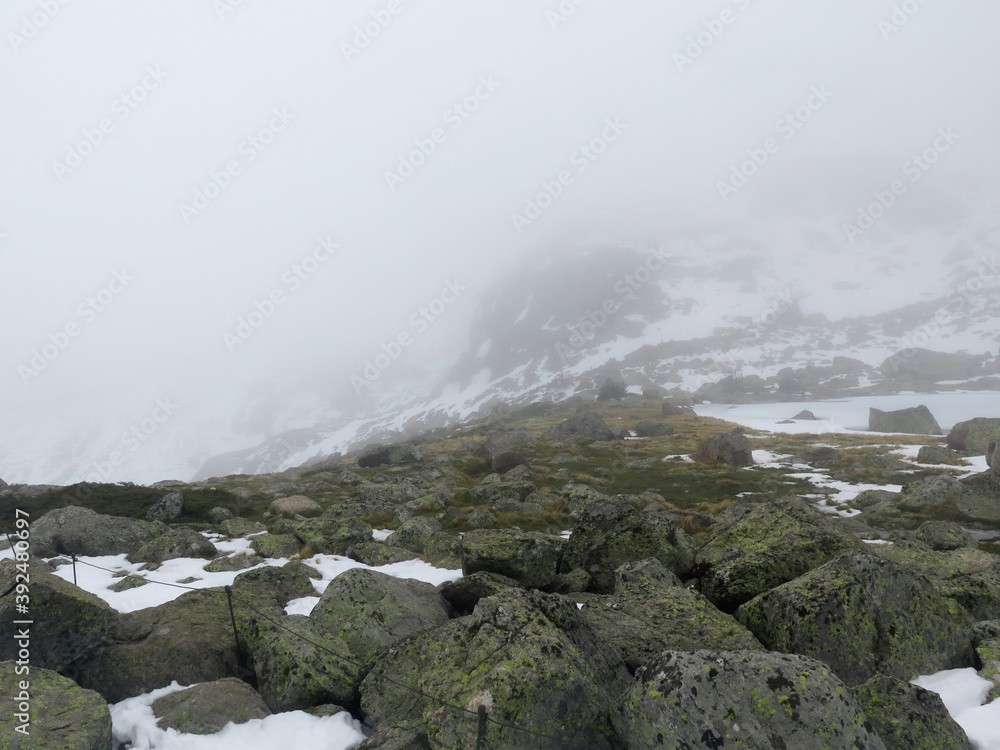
(964, 692)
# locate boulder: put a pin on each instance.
(938, 454)
(916, 420)
(81, 531)
(376, 553)
(233, 527)
(944, 535)
(731, 448)
(229, 563)
(974, 435)
(805, 414)
(388, 455)
(295, 505)
(744, 699)
(611, 533)
(824, 456)
(585, 424)
(863, 615)
(332, 536)
(396, 739)
(673, 408)
(63, 716)
(219, 514)
(68, 622)
(503, 440)
(652, 428)
(275, 545)
(189, 640)
(505, 462)
(993, 455)
(530, 558)
(907, 717)
(483, 518)
(579, 496)
(528, 658)
(496, 493)
(414, 534)
(206, 708)
(648, 614)
(167, 508)
(177, 542)
(370, 612)
(933, 491)
(765, 546)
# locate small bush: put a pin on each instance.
(612, 390)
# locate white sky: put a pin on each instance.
(324, 174)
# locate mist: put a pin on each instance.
(223, 215)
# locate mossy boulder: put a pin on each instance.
(530, 558)
(276, 545)
(584, 425)
(167, 508)
(974, 435)
(376, 553)
(177, 542)
(229, 563)
(69, 623)
(370, 612)
(611, 533)
(332, 536)
(932, 491)
(529, 658)
(579, 496)
(863, 615)
(206, 708)
(752, 551)
(986, 640)
(731, 448)
(127, 583)
(944, 535)
(63, 716)
(741, 699)
(80, 531)
(907, 717)
(295, 505)
(495, 493)
(414, 534)
(938, 454)
(648, 615)
(189, 639)
(233, 527)
(916, 420)
(389, 455)
(444, 551)
(652, 428)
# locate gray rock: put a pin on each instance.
(63, 716)
(497, 492)
(778, 702)
(529, 658)
(333, 536)
(502, 441)
(907, 717)
(232, 562)
(579, 496)
(863, 615)
(295, 505)
(652, 428)
(932, 491)
(207, 708)
(974, 435)
(916, 420)
(585, 424)
(414, 534)
(530, 558)
(81, 531)
(805, 414)
(937, 454)
(69, 623)
(276, 545)
(483, 518)
(376, 553)
(993, 455)
(731, 448)
(370, 612)
(167, 508)
(465, 593)
(944, 535)
(611, 533)
(234, 527)
(219, 514)
(177, 542)
(388, 455)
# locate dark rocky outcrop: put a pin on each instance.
(389, 455)
(63, 716)
(916, 420)
(652, 428)
(746, 699)
(731, 448)
(863, 615)
(585, 424)
(464, 594)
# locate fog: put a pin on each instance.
(233, 206)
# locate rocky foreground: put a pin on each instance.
(704, 601)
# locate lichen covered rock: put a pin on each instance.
(530, 558)
(742, 699)
(907, 717)
(206, 708)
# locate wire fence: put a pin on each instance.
(481, 716)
